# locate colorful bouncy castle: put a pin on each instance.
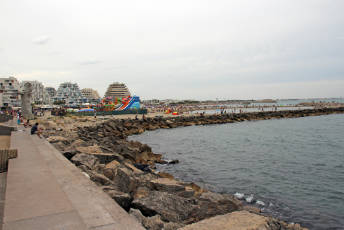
(128, 103)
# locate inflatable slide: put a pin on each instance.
(129, 103)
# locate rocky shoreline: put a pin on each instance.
(125, 170)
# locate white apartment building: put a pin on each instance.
(70, 94)
(117, 90)
(10, 92)
(38, 94)
(91, 95)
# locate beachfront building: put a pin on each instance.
(117, 90)
(69, 94)
(38, 94)
(10, 92)
(91, 95)
(51, 91)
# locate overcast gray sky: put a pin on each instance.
(192, 49)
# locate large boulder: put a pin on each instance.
(169, 206)
(110, 169)
(85, 159)
(106, 158)
(50, 125)
(100, 179)
(78, 143)
(55, 139)
(212, 204)
(154, 222)
(96, 151)
(125, 180)
(131, 167)
(167, 185)
(241, 220)
(89, 149)
(123, 199)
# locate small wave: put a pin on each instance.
(339, 166)
(261, 203)
(239, 196)
(249, 199)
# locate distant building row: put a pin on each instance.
(67, 94)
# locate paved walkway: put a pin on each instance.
(45, 191)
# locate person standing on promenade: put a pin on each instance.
(18, 118)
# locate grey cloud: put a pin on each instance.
(193, 45)
(41, 40)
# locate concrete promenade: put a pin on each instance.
(45, 191)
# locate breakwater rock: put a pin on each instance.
(125, 171)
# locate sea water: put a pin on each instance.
(291, 168)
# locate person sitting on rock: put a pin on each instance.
(36, 130)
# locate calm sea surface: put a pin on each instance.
(294, 168)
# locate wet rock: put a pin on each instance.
(173, 162)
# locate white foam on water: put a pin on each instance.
(239, 195)
(259, 202)
(249, 199)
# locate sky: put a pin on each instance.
(178, 49)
